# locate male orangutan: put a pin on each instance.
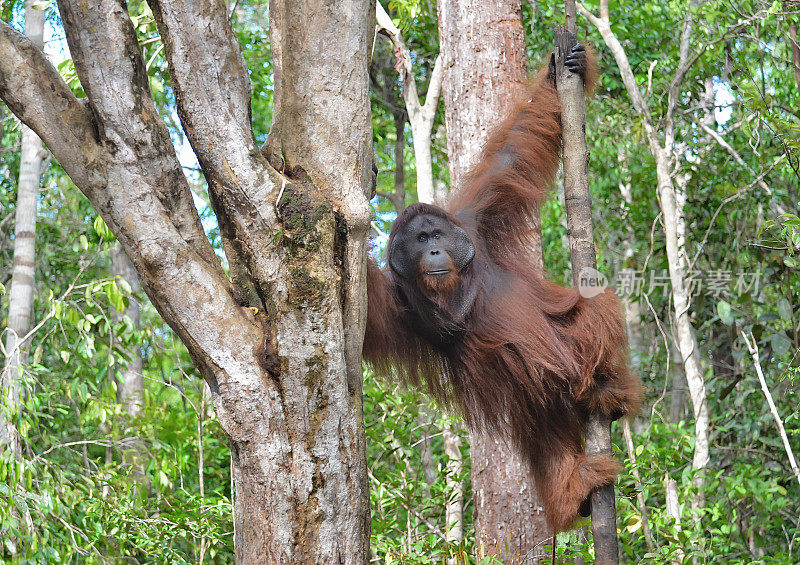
(464, 312)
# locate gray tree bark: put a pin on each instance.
(483, 50)
(578, 202)
(20, 295)
(280, 346)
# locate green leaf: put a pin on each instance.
(780, 344)
(790, 262)
(115, 296)
(124, 285)
(633, 523)
(102, 229)
(725, 313)
(784, 309)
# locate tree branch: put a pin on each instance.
(212, 93)
(752, 347)
(118, 91)
(684, 64)
(187, 285)
(434, 88)
(34, 91)
(420, 117)
(208, 72)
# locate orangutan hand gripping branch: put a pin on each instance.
(464, 312)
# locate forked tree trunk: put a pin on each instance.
(420, 116)
(483, 47)
(280, 346)
(20, 295)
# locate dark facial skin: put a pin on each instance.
(432, 246)
(431, 237)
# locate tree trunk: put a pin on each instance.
(20, 295)
(420, 116)
(425, 425)
(571, 94)
(509, 518)
(483, 47)
(398, 197)
(454, 511)
(280, 346)
(130, 383)
(633, 310)
(677, 403)
(673, 510)
(795, 52)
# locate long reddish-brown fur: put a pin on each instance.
(531, 358)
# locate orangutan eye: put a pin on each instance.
(422, 238)
(436, 235)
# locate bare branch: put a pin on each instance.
(434, 87)
(628, 78)
(752, 347)
(212, 93)
(208, 72)
(420, 117)
(129, 199)
(680, 73)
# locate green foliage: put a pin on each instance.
(408, 514)
(75, 494)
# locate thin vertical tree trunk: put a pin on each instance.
(673, 509)
(795, 52)
(424, 424)
(571, 94)
(130, 384)
(420, 116)
(20, 296)
(483, 47)
(398, 197)
(633, 310)
(677, 402)
(454, 511)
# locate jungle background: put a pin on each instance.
(145, 477)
